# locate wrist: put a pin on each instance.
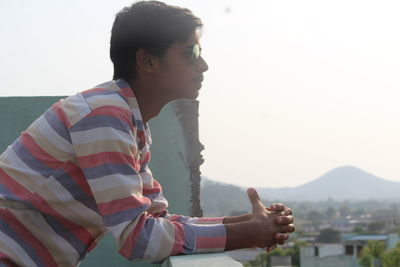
(241, 235)
(236, 219)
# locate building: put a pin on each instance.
(344, 254)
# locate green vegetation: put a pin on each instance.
(264, 259)
(374, 255)
(371, 254)
(391, 257)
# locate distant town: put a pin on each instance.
(329, 232)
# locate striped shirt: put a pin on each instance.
(81, 170)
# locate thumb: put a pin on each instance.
(255, 201)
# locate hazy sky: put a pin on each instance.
(294, 89)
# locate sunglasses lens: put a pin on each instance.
(195, 52)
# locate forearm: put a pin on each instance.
(240, 235)
(236, 219)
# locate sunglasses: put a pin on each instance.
(195, 52)
(192, 52)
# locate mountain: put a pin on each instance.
(219, 199)
(339, 184)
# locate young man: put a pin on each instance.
(81, 169)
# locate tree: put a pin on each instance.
(371, 254)
(391, 258)
(328, 236)
(264, 259)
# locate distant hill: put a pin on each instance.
(344, 186)
(339, 184)
(219, 199)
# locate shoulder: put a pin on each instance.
(102, 100)
(106, 94)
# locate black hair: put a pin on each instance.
(150, 25)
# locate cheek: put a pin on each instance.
(178, 76)
(182, 77)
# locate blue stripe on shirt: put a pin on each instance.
(143, 239)
(123, 216)
(25, 156)
(108, 169)
(75, 190)
(71, 238)
(7, 229)
(99, 121)
(57, 125)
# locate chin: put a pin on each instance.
(192, 96)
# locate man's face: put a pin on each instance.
(180, 73)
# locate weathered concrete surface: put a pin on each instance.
(202, 260)
(188, 115)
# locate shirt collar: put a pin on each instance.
(127, 92)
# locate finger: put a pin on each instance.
(271, 248)
(254, 200)
(281, 238)
(287, 211)
(284, 219)
(289, 228)
(281, 242)
(276, 207)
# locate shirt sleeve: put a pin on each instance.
(104, 143)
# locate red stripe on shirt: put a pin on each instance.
(130, 240)
(122, 204)
(5, 259)
(80, 232)
(17, 189)
(105, 157)
(28, 237)
(179, 241)
(38, 153)
(60, 113)
(146, 158)
(210, 242)
(77, 175)
(156, 188)
(127, 92)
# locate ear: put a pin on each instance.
(145, 61)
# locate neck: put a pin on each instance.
(149, 98)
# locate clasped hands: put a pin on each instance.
(265, 227)
(273, 224)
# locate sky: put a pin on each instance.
(294, 88)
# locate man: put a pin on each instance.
(81, 169)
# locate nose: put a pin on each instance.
(202, 65)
